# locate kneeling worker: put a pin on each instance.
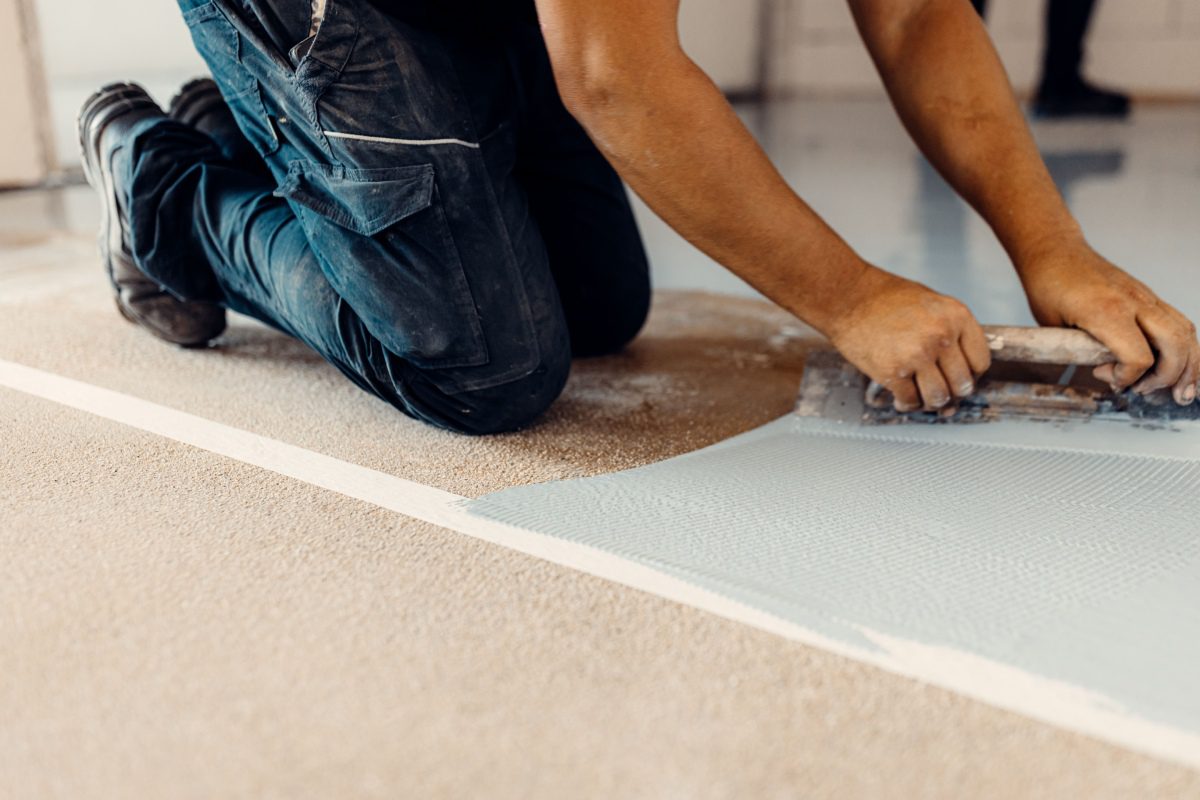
(428, 193)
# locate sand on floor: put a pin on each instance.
(178, 624)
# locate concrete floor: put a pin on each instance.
(1135, 187)
(180, 624)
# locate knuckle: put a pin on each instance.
(928, 349)
(1115, 307)
(1137, 292)
(954, 310)
(912, 356)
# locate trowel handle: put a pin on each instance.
(1046, 346)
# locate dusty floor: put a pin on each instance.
(178, 624)
(184, 625)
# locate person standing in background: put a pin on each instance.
(1063, 92)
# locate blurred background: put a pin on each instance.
(1149, 47)
(802, 81)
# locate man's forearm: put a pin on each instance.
(950, 89)
(673, 137)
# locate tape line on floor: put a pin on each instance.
(997, 684)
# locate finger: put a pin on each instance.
(957, 372)
(1173, 343)
(1134, 356)
(975, 347)
(1185, 390)
(905, 396)
(935, 394)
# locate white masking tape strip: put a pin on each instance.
(406, 497)
(997, 684)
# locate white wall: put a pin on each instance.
(23, 157)
(114, 39)
(722, 36)
(90, 43)
(128, 38)
(1150, 47)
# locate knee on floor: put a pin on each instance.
(501, 408)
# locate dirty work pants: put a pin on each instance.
(418, 207)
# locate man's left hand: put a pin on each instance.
(1156, 345)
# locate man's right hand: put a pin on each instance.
(924, 347)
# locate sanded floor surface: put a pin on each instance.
(175, 623)
(180, 624)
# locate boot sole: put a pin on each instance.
(191, 103)
(101, 108)
(97, 112)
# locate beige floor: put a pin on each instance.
(175, 624)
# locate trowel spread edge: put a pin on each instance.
(1035, 374)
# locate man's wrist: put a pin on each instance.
(1037, 246)
(853, 285)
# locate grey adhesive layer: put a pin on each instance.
(1070, 553)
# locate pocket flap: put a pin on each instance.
(365, 201)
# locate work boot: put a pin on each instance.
(104, 123)
(199, 104)
(1079, 99)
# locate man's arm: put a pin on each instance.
(951, 92)
(673, 137)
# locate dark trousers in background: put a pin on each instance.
(418, 208)
(1066, 27)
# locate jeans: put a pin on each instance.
(419, 208)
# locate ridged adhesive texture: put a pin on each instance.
(1071, 554)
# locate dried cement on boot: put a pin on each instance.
(1065, 552)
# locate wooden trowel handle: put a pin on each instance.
(1046, 346)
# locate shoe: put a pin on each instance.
(104, 120)
(199, 104)
(1080, 99)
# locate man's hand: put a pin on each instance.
(1073, 286)
(949, 87)
(924, 347)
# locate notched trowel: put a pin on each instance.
(1041, 373)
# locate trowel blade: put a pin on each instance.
(833, 389)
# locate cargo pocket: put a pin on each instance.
(383, 241)
(230, 56)
(219, 44)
